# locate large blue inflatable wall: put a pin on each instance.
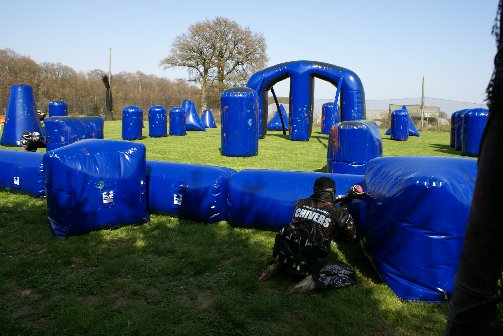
(413, 222)
(62, 131)
(265, 198)
(302, 74)
(22, 172)
(94, 184)
(189, 191)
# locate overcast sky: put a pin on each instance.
(389, 44)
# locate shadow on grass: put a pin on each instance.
(446, 149)
(172, 276)
(321, 139)
(322, 169)
(354, 254)
(279, 135)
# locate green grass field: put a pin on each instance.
(178, 277)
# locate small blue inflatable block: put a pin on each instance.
(94, 184)
(61, 131)
(416, 215)
(266, 198)
(189, 191)
(22, 171)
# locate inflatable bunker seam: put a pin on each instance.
(416, 215)
(188, 191)
(94, 184)
(22, 171)
(265, 198)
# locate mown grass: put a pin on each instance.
(178, 277)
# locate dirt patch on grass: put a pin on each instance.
(204, 300)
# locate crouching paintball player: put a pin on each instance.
(301, 248)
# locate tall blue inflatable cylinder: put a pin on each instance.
(239, 135)
(399, 125)
(329, 117)
(473, 127)
(458, 141)
(177, 121)
(453, 129)
(157, 121)
(132, 123)
(58, 108)
(21, 115)
(351, 145)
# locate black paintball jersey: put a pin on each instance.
(303, 245)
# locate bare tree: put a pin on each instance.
(218, 51)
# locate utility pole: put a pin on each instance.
(422, 106)
(110, 67)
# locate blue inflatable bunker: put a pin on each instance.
(413, 222)
(58, 108)
(192, 121)
(329, 117)
(62, 131)
(474, 123)
(458, 131)
(239, 134)
(351, 145)
(208, 120)
(177, 121)
(266, 198)
(399, 127)
(21, 115)
(302, 74)
(94, 184)
(132, 123)
(157, 121)
(275, 123)
(189, 191)
(22, 172)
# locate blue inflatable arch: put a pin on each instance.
(302, 74)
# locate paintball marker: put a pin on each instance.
(355, 192)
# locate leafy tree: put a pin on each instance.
(218, 54)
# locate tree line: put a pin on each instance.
(217, 54)
(85, 92)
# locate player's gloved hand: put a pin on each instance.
(355, 191)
